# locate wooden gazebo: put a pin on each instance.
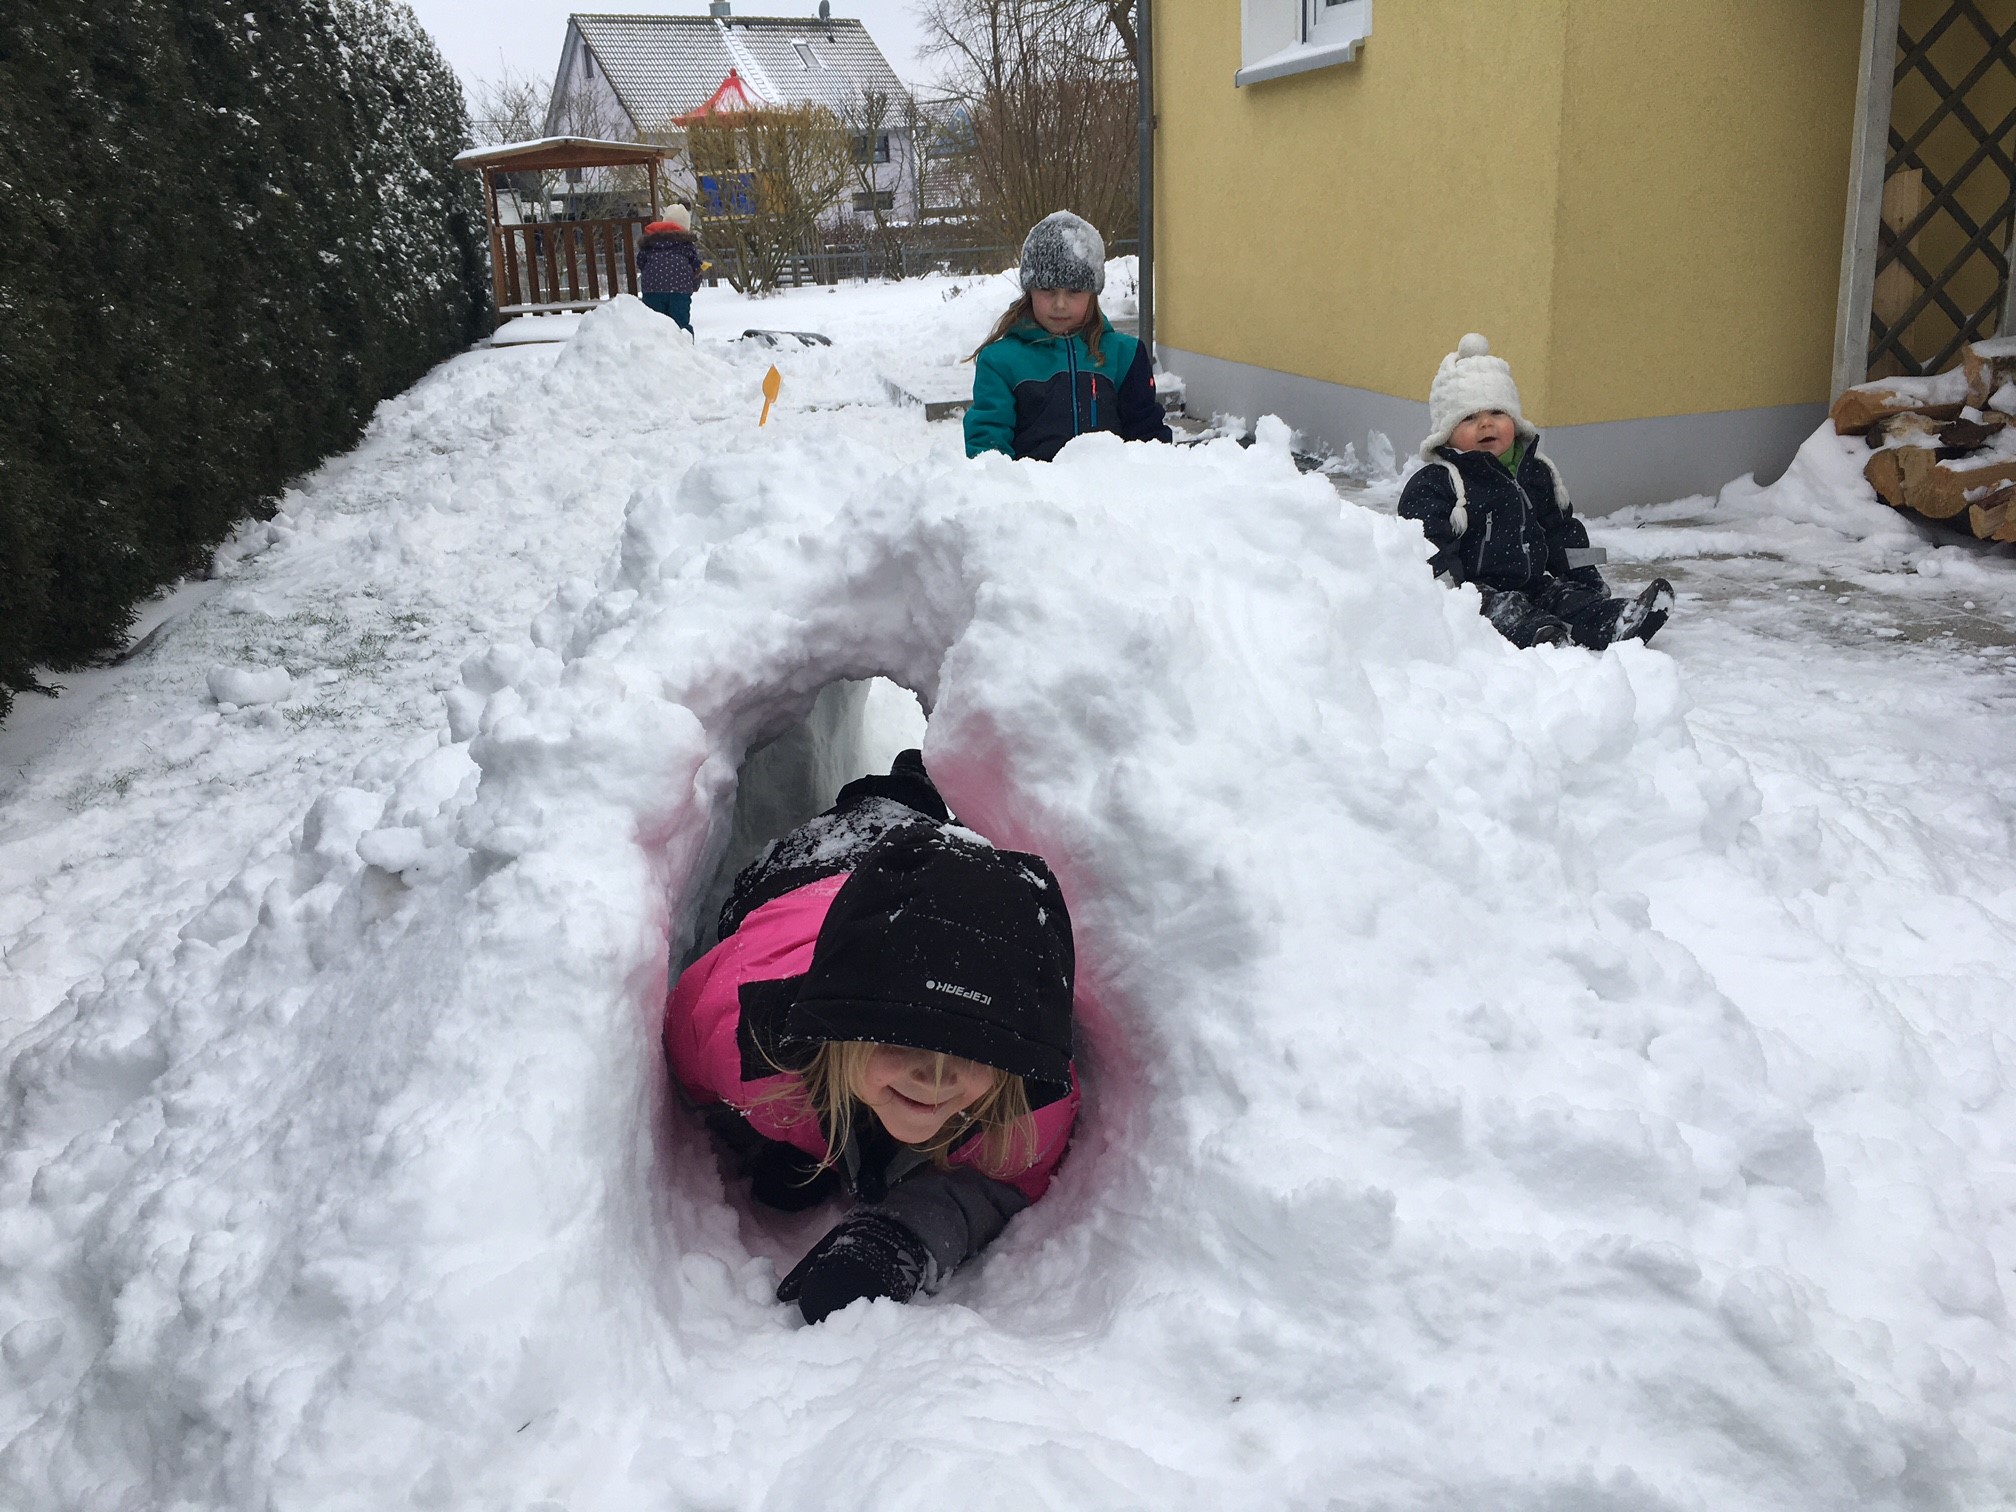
(548, 266)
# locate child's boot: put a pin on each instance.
(1641, 617)
(1521, 621)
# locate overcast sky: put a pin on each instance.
(483, 37)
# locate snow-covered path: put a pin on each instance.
(1514, 1080)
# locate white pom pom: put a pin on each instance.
(1473, 345)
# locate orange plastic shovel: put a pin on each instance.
(772, 381)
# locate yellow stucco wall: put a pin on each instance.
(1309, 224)
(1704, 181)
(1640, 205)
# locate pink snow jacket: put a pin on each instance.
(705, 1045)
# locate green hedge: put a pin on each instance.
(230, 228)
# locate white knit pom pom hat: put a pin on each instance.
(677, 215)
(1471, 379)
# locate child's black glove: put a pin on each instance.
(786, 1178)
(865, 1255)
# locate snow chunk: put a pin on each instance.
(396, 849)
(249, 685)
(1272, 434)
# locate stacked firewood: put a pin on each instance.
(1944, 447)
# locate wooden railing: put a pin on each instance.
(576, 265)
(564, 265)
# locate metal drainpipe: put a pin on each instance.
(1146, 280)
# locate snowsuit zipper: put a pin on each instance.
(1071, 361)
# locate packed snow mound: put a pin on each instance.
(1419, 1169)
(627, 357)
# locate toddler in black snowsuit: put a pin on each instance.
(1495, 509)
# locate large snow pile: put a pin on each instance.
(1429, 1160)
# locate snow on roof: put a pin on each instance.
(666, 66)
(558, 151)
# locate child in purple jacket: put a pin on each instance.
(668, 265)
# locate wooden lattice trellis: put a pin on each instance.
(1921, 315)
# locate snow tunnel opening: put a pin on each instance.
(849, 730)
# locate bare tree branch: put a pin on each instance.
(1050, 87)
(517, 108)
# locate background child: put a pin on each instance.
(888, 1014)
(668, 265)
(1496, 510)
(1054, 367)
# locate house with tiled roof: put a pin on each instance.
(635, 77)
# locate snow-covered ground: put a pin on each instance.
(1515, 1080)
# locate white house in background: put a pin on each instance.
(630, 77)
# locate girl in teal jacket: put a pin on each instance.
(1054, 367)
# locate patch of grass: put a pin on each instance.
(366, 651)
(95, 790)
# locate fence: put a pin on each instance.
(897, 257)
(576, 265)
(563, 265)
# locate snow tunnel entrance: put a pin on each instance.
(853, 729)
(945, 1181)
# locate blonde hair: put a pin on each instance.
(1024, 309)
(825, 1089)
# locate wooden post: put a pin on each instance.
(1868, 154)
(1904, 198)
(514, 272)
(654, 189)
(497, 299)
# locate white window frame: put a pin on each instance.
(1282, 37)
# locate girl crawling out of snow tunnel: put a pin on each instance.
(887, 1016)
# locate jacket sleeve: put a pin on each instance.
(956, 1213)
(1141, 417)
(1430, 497)
(990, 419)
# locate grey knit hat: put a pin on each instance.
(1064, 251)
